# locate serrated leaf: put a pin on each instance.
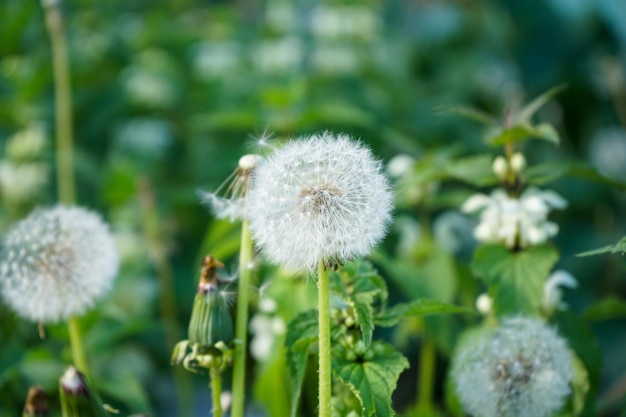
(619, 247)
(365, 315)
(551, 171)
(418, 308)
(475, 170)
(301, 335)
(515, 279)
(522, 132)
(531, 108)
(608, 309)
(371, 380)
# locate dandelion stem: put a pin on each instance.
(426, 375)
(63, 104)
(241, 324)
(325, 391)
(216, 392)
(76, 343)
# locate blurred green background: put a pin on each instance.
(169, 94)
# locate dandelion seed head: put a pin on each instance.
(56, 263)
(319, 198)
(521, 369)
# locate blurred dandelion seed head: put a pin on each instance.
(319, 198)
(56, 263)
(521, 369)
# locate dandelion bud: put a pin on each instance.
(56, 263)
(319, 199)
(77, 398)
(521, 369)
(36, 403)
(484, 304)
(500, 167)
(518, 162)
(211, 321)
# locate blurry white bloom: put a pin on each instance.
(278, 56)
(56, 263)
(521, 369)
(400, 165)
(344, 21)
(319, 199)
(484, 304)
(552, 294)
(515, 221)
(73, 382)
(280, 16)
(27, 144)
(228, 200)
(22, 182)
(518, 162)
(145, 137)
(409, 231)
(226, 399)
(335, 59)
(265, 328)
(500, 167)
(607, 152)
(217, 59)
(452, 231)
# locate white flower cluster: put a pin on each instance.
(265, 327)
(521, 369)
(515, 221)
(320, 198)
(56, 263)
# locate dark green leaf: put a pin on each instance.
(372, 377)
(551, 171)
(475, 170)
(608, 309)
(418, 308)
(364, 315)
(531, 108)
(515, 279)
(619, 247)
(301, 335)
(522, 132)
(470, 113)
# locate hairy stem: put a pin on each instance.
(76, 343)
(241, 324)
(63, 104)
(325, 389)
(216, 392)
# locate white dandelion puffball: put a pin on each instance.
(319, 198)
(56, 263)
(521, 369)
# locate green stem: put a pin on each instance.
(426, 375)
(76, 343)
(216, 392)
(241, 324)
(63, 105)
(325, 389)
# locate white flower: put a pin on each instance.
(231, 204)
(56, 263)
(552, 293)
(278, 56)
(27, 144)
(22, 182)
(400, 165)
(521, 369)
(265, 329)
(515, 221)
(484, 304)
(319, 199)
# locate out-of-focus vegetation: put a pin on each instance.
(169, 95)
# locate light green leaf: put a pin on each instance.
(365, 315)
(619, 247)
(301, 335)
(475, 170)
(470, 113)
(551, 171)
(418, 308)
(608, 309)
(372, 377)
(515, 279)
(531, 108)
(522, 132)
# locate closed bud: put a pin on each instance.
(500, 167)
(36, 403)
(518, 162)
(77, 398)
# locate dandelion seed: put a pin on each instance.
(320, 198)
(521, 369)
(56, 263)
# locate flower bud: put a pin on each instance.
(500, 167)
(77, 398)
(518, 162)
(36, 403)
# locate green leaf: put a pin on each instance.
(531, 108)
(619, 247)
(515, 279)
(551, 171)
(372, 377)
(365, 315)
(475, 170)
(418, 308)
(469, 113)
(608, 309)
(520, 132)
(301, 335)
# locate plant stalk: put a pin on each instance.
(325, 388)
(241, 324)
(216, 392)
(63, 104)
(76, 344)
(426, 375)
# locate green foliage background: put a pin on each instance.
(169, 94)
